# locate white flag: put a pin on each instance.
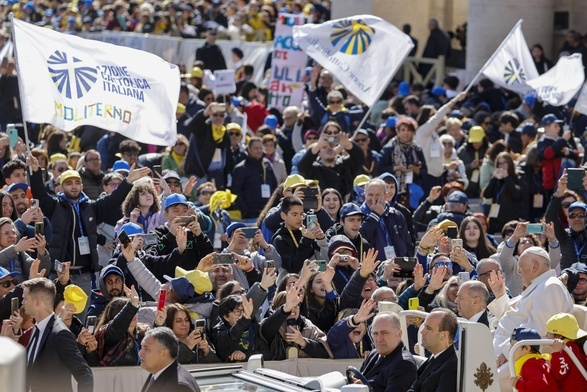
(69, 81)
(581, 105)
(561, 83)
(511, 66)
(363, 52)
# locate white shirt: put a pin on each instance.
(476, 316)
(41, 326)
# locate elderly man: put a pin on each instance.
(91, 174)
(545, 295)
(390, 366)
(472, 300)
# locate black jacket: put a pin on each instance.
(395, 372)
(293, 255)
(173, 379)
(197, 247)
(228, 338)
(438, 375)
(212, 56)
(248, 178)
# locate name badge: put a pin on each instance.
(434, 150)
(84, 245)
(409, 177)
(389, 252)
(265, 191)
(538, 201)
(494, 211)
(475, 176)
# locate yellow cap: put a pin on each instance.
(476, 134)
(295, 180)
(180, 108)
(232, 125)
(66, 175)
(196, 72)
(565, 324)
(75, 295)
(222, 199)
(361, 180)
(56, 157)
(446, 223)
(197, 278)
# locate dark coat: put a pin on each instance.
(173, 379)
(58, 358)
(393, 373)
(247, 179)
(439, 375)
(212, 56)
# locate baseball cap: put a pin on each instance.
(446, 224)
(233, 126)
(350, 209)
(121, 166)
(75, 295)
(362, 132)
(457, 114)
(171, 174)
(390, 122)
(271, 121)
(295, 180)
(578, 204)
(520, 334)
(565, 324)
(361, 180)
(232, 227)
(579, 267)
(197, 278)
(549, 119)
(403, 89)
(310, 132)
(529, 130)
(458, 197)
(18, 185)
(182, 286)
(131, 229)
(438, 91)
(180, 108)
(4, 273)
(174, 199)
(68, 174)
(476, 134)
(196, 72)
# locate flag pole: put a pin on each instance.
(371, 106)
(493, 55)
(21, 92)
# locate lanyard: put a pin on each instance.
(346, 280)
(500, 192)
(385, 230)
(369, 169)
(11, 265)
(577, 250)
(360, 248)
(293, 238)
(79, 218)
(264, 172)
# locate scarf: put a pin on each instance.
(342, 109)
(520, 362)
(402, 154)
(178, 159)
(218, 133)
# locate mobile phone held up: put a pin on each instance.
(162, 299)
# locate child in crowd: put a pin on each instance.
(563, 327)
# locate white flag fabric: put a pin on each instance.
(581, 105)
(512, 66)
(69, 81)
(561, 83)
(363, 52)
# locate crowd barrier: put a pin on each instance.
(183, 51)
(112, 379)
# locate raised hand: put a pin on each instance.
(497, 283)
(132, 295)
(248, 307)
(370, 262)
(437, 278)
(269, 277)
(365, 311)
(34, 270)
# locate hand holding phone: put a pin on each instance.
(162, 298)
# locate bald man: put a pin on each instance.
(472, 299)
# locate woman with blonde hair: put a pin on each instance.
(175, 158)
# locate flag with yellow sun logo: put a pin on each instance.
(363, 52)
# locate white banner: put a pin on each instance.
(561, 83)
(286, 87)
(511, 66)
(224, 82)
(69, 81)
(363, 52)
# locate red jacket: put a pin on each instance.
(536, 377)
(551, 155)
(564, 370)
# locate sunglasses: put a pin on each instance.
(61, 169)
(447, 144)
(361, 140)
(218, 115)
(335, 102)
(173, 183)
(206, 193)
(447, 264)
(332, 133)
(9, 283)
(574, 216)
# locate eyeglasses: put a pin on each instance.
(8, 283)
(566, 204)
(447, 264)
(488, 272)
(581, 280)
(113, 184)
(218, 115)
(237, 311)
(335, 102)
(61, 169)
(234, 133)
(575, 216)
(448, 144)
(8, 232)
(173, 183)
(206, 193)
(93, 160)
(361, 140)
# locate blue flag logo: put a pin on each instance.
(355, 35)
(514, 73)
(71, 77)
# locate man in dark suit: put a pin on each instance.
(52, 353)
(390, 367)
(439, 372)
(472, 299)
(158, 354)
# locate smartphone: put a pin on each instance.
(14, 305)
(59, 267)
(161, 300)
(91, 323)
(311, 220)
(270, 264)
(223, 258)
(290, 322)
(200, 326)
(333, 139)
(150, 239)
(123, 238)
(12, 135)
(535, 228)
(413, 303)
(463, 277)
(156, 170)
(250, 231)
(456, 243)
(407, 265)
(34, 203)
(452, 232)
(186, 220)
(321, 265)
(310, 198)
(40, 228)
(575, 176)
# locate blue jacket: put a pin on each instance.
(341, 345)
(387, 229)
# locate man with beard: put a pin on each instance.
(111, 285)
(18, 193)
(26, 222)
(219, 275)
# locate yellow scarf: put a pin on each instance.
(342, 109)
(520, 362)
(178, 159)
(218, 132)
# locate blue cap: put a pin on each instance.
(236, 101)
(182, 286)
(350, 209)
(549, 119)
(131, 229)
(48, 12)
(578, 204)
(4, 273)
(29, 6)
(520, 334)
(529, 130)
(530, 100)
(271, 121)
(458, 197)
(233, 226)
(71, 19)
(390, 122)
(17, 185)
(173, 199)
(438, 91)
(404, 89)
(121, 166)
(457, 114)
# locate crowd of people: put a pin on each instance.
(285, 232)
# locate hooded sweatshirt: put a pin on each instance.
(100, 298)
